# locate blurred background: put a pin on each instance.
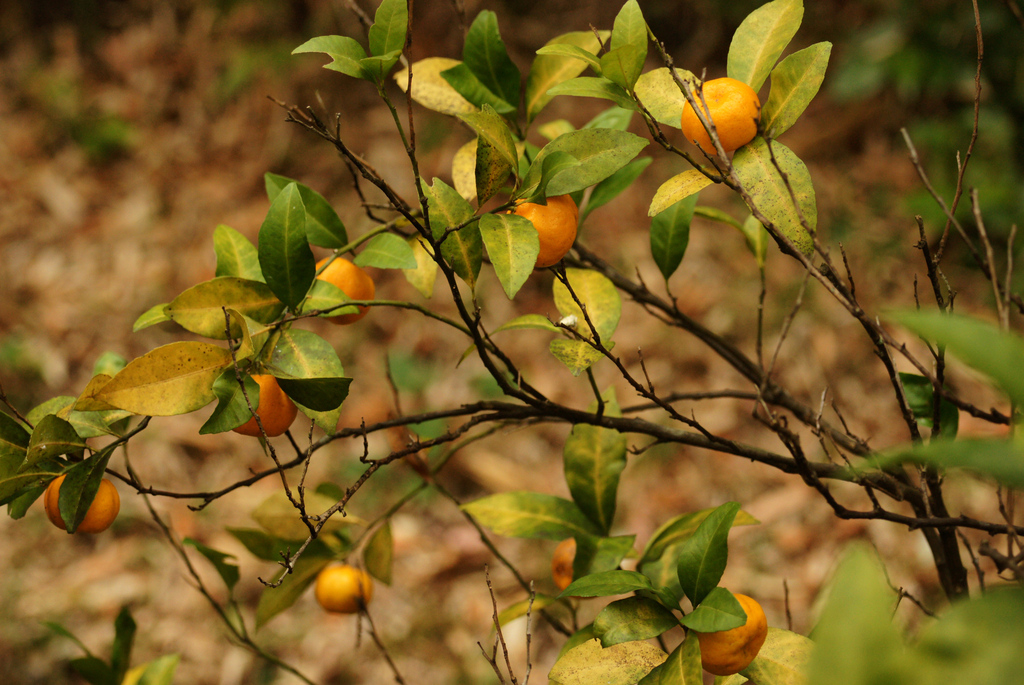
(130, 129)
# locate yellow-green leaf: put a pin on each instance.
(173, 379)
(771, 194)
(679, 187)
(431, 90)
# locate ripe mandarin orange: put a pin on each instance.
(351, 280)
(276, 410)
(561, 563)
(102, 511)
(730, 651)
(734, 108)
(343, 589)
(556, 224)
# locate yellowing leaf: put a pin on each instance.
(173, 379)
(431, 90)
(679, 187)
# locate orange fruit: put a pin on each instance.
(734, 108)
(343, 589)
(556, 224)
(275, 409)
(561, 563)
(351, 280)
(730, 651)
(102, 511)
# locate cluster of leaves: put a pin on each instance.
(117, 670)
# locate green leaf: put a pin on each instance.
(431, 89)
(594, 87)
(608, 189)
(467, 85)
(387, 251)
(172, 379)
(761, 38)
(152, 316)
(227, 569)
(232, 410)
(589, 663)
(496, 154)
(390, 24)
(317, 394)
(530, 515)
(677, 189)
(548, 70)
(975, 641)
(323, 225)
(79, 488)
(702, 556)
(599, 153)
(95, 671)
(682, 667)
(485, 55)
(611, 117)
(719, 610)
(520, 609)
(236, 256)
(124, 638)
(378, 67)
(59, 405)
(633, 618)
(680, 528)
(490, 171)
(269, 548)
(304, 354)
(670, 234)
(345, 54)
(325, 298)
(51, 437)
(771, 193)
(589, 58)
(159, 671)
(662, 572)
(979, 344)
(529, 321)
(549, 165)
(1002, 460)
(285, 258)
(795, 82)
(274, 600)
(856, 640)
(377, 556)
(94, 424)
(595, 292)
(576, 355)
(200, 309)
(512, 246)
(14, 442)
(783, 659)
(660, 94)
(622, 65)
(462, 249)
(756, 238)
(597, 554)
(920, 399)
(279, 517)
(607, 584)
(594, 458)
(628, 48)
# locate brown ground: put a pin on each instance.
(125, 142)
